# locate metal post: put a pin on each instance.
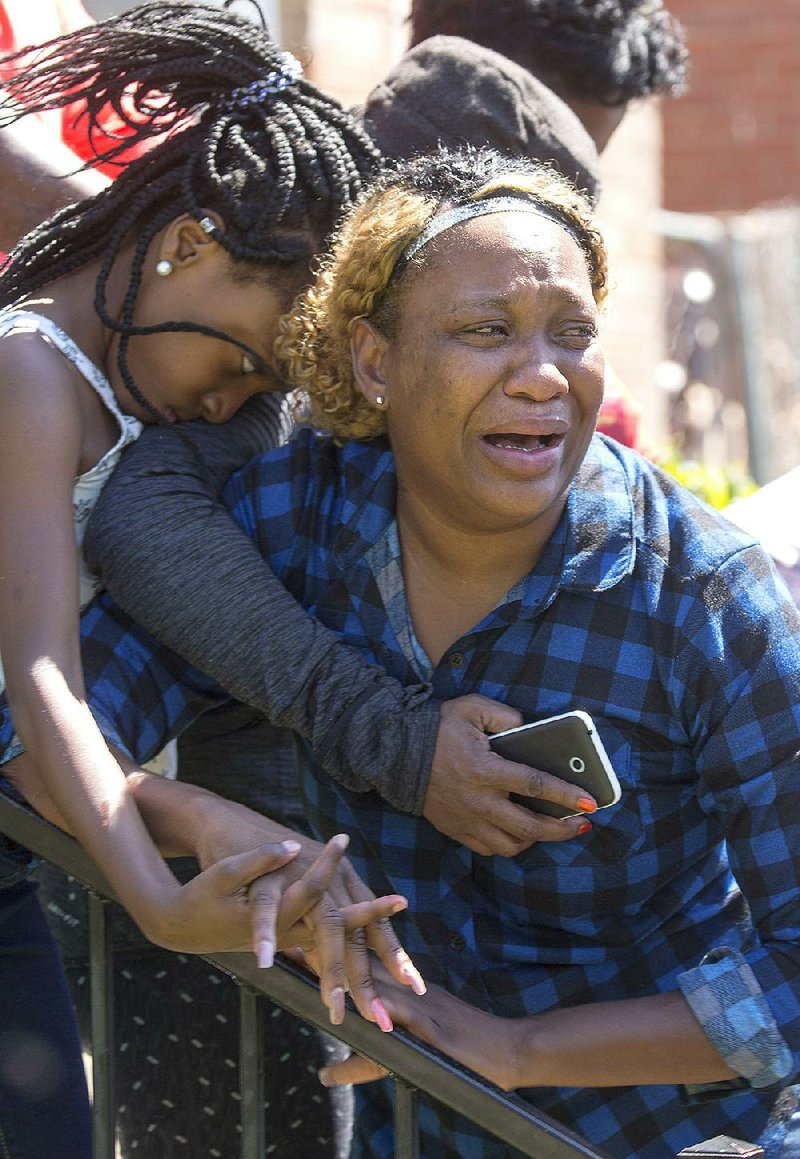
(102, 990)
(406, 1126)
(251, 1073)
(757, 392)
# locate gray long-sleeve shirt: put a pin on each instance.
(170, 555)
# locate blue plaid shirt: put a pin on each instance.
(668, 627)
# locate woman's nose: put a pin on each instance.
(536, 371)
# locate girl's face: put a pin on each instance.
(187, 375)
(493, 373)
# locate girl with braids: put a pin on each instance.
(154, 301)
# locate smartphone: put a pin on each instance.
(568, 747)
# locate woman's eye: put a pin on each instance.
(486, 329)
(587, 331)
(248, 366)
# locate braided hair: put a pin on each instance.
(232, 126)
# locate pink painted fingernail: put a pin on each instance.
(382, 1016)
(415, 978)
(336, 1006)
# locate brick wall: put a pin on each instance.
(733, 142)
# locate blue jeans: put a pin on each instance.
(44, 1103)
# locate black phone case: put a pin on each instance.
(566, 746)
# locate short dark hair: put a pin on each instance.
(607, 51)
(234, 129)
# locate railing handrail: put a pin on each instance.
(412, 1064)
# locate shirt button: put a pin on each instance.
(456, 659)
(457, 943)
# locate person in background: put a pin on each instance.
(597, 55)
(41, 157)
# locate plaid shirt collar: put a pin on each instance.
(593, 547)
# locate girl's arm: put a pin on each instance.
(172, 557)
(41, 438)
(262, 885)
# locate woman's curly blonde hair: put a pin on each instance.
(355, 279)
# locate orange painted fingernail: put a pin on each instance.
(584, 827)
(587, 805)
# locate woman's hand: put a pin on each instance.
(484, 1043)
(469, 786)
(330, 915)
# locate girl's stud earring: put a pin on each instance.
(164, 268)
(380, 402)
(207, 224)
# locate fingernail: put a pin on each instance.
(336, 1006)
(584, 827)
(342, 840)
(415, 978)
(587, 805)
(382, 1016)
(326, 1078)
(291, 846)
(266, 954)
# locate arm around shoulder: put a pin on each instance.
(173, 558)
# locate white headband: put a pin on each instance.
(470, 209)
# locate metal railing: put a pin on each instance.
(414, 1066)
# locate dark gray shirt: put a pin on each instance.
(174, 560)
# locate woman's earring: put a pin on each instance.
(380, 402)
(164, 268)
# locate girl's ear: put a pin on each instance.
(185, 240)
(368, 348)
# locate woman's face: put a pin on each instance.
(493, 373)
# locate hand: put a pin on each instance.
(211, 912)
(341, 920)
(331, 932)
(468, 792)
(480, 1041)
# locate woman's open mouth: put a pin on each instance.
(526, 444)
